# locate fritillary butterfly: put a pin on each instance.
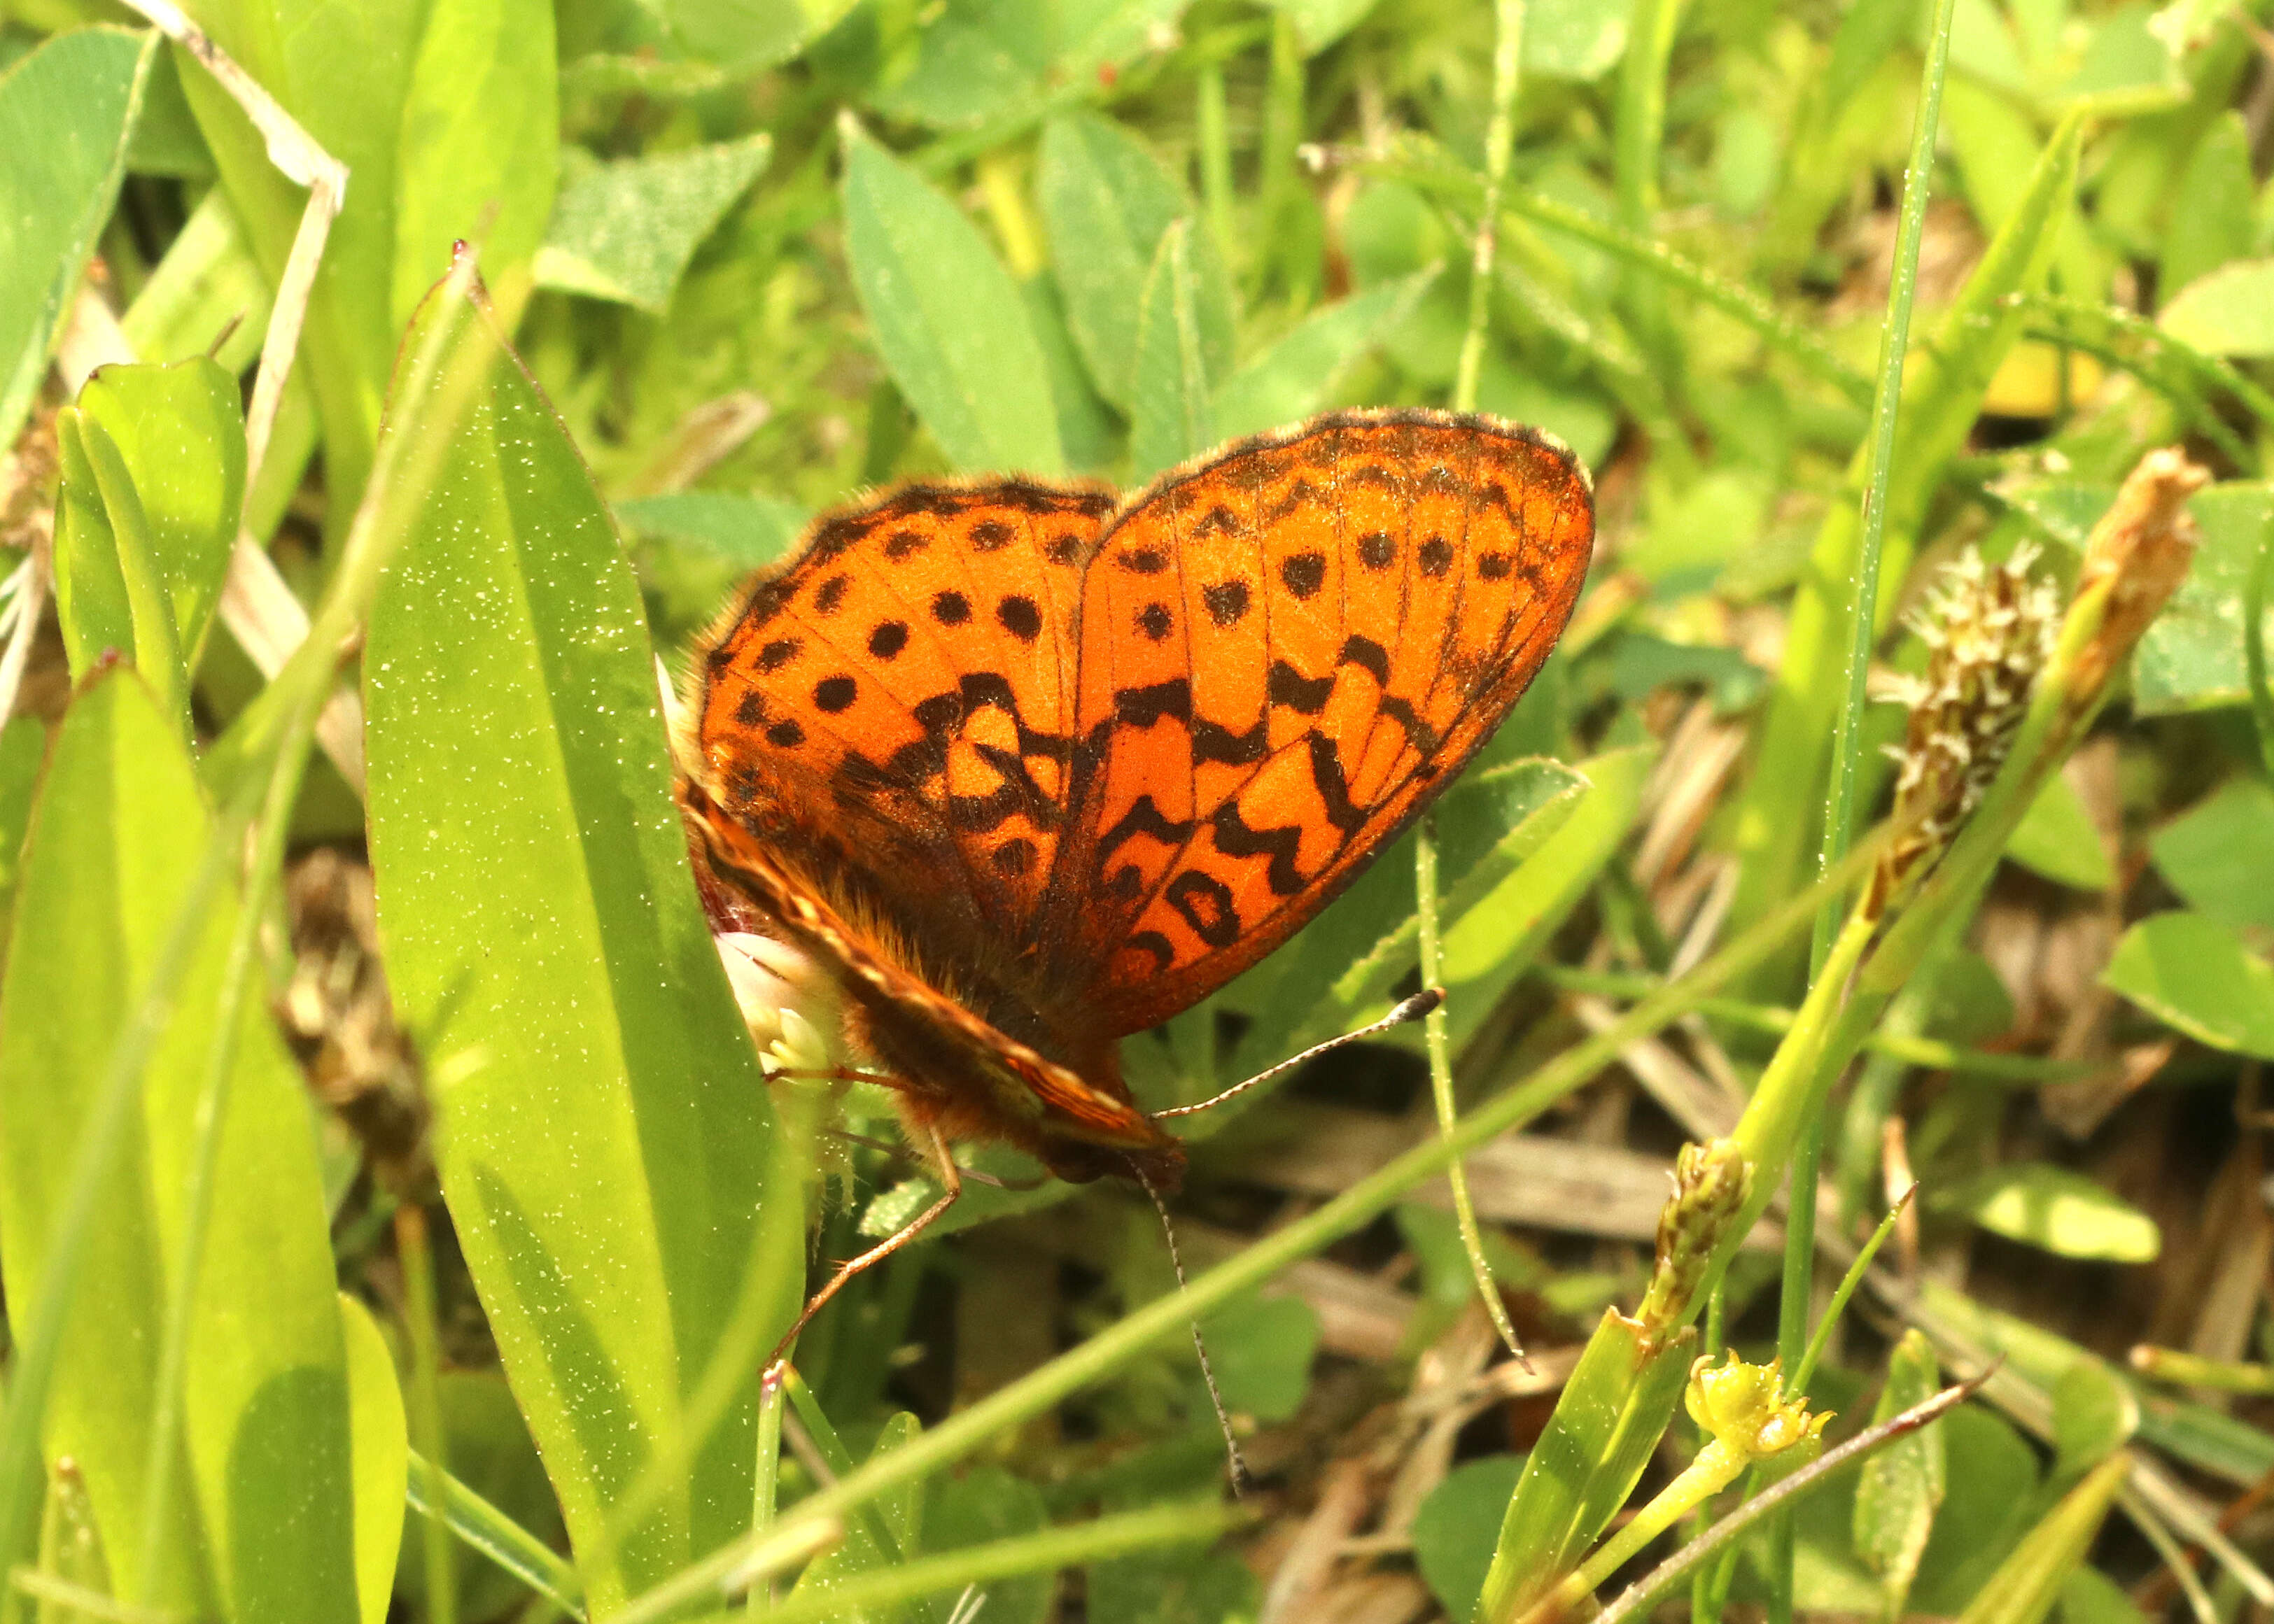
(1028, 768)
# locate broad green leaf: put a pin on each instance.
(610, 1158)
(626, 230)
(2192, 656)
(1261, 1350)
(1182, 1587)
(1989, 1482)
(974, 60)
(2089, 1597)
(978, 1506)
(948, 321)
(977, 60)
(260, 1526)
(1168, 420)
(2095, 1414)
(492, 1458)
(1901, 1488)
(65, 110)
(2219, 854)
(1573, 39)
(1496, 939)
(2226, 312)
(2125, 69)
(746, 531)
(736, 34)
(381, 1448)
(2057, 1211)
(1607, 1424)
(110, 597)
(180, 432)
(1299, 374)
(481, 143)
(2194, 974)
(2216, 225)
(1339, 971)
(207, 286)
(1106, 203)
(1456, 1526)
(1085, 427)
(2056, 838)
(2027, 1582)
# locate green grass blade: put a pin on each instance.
(482, 1527)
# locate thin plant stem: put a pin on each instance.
(1437, 1036)
(1848, 743)
(1214, 137)
(414, 1251)
(1500, 145)
(481, 1526)
(876, 1592)
(1796, 1383)
(1639, 132)
(1169, 1316)
(2255, 593)
(1436, 1032)
(768, 1480)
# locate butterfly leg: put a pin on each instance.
(951, 1179)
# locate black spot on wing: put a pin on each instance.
(1153, 942)
(1368, 655)
(1205, 904)
(1226, 601)
(1303, 574)
(1284, 685)
(1235, 838)
(1144, 818)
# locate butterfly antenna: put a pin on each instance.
(1241, 1480)
(1412, 1009)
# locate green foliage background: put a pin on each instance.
(744, 257)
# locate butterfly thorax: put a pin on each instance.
(972, 1038)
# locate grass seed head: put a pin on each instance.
(1988, 630)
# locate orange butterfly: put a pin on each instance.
(1026, 768)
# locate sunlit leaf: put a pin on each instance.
(2219, 854)
(948, 319)
(607, 1162)
(2057, 1211)
(2194, 974)
(2056, 838)
(1168, 417)
(64, 113)
(259, 1525)
(626, 230)
(2192, 656)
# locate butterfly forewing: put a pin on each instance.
(1285, 651)
(896, 708)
